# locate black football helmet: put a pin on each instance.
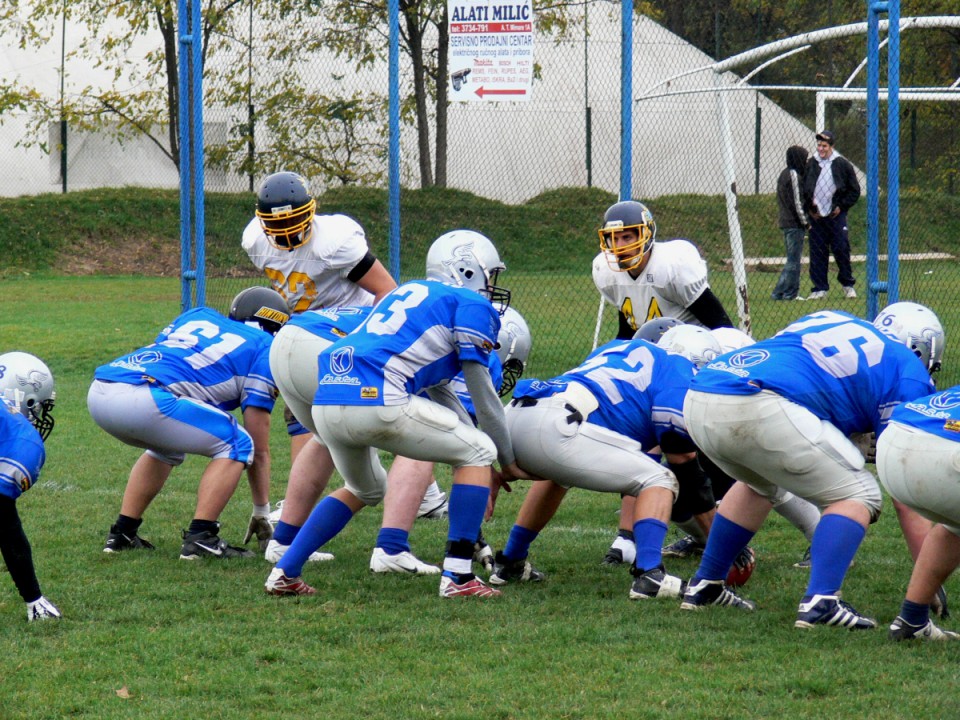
(260, 305)
(627, 215)
(285, 209)
(653, 330)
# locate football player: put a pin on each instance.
(645, 279)
(392, 551)
(778, 415)
(315, 262)
(419, 337)
(174, 397)
(27, 397)
(592, 428)
(927, 428)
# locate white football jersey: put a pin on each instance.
(673, 279)
(313, 276)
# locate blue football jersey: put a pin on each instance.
(640, 389)
(841, 368)
(331, 323)
(205, 356)
(937, 414)
(21, 452)
(416, 338)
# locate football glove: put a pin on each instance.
(42, 609)
(261, 527)
(866, 443)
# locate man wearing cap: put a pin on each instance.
(830, 188)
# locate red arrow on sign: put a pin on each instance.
(481, 91)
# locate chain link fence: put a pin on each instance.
(278, 98)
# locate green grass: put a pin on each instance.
(149, 636)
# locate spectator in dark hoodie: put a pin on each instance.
(830, 188)
(793, 221)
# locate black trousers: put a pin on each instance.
(16, 552)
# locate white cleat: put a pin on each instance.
(404, 562)
(275, 551)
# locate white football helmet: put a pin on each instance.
(731, 339)
(467, 259)
(695, 343)
(513, 346)
(917, 327)
(27, 383)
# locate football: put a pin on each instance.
(742, 568)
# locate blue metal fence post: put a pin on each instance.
(186, 214)
(626, 99)
(393, 14)
(875, 286)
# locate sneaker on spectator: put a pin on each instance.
(655, 583)
(817, 295)
(117, 542)
(279, 584)
(900, 629)
(713, 592)
(403, 562)
(275, 551)
(849, 292)
(474, 587)
(507, 571)
(831, 610)
(207, 544)
(687, 546)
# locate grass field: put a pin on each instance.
(149, 636)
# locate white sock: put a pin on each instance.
(802, 514)
(627, 547)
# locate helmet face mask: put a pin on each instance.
(627, 235)
(513, 347)
(693, 342)
(917, 327)
(260, 305)
(27, 383)
(467, 259)
(285, 209)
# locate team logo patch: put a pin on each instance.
(369, 393)
(341, 360)
(338, 332)
(952, 425)
(748, 358)
(34, 379)
(945, 400)
(487, 345)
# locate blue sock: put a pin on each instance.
(468, 503)
(518, 544)
(725, 540)
(835, 542)
(914, 613)
(328, 518)
(648, 535)
(393, 540)
(284, 533)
